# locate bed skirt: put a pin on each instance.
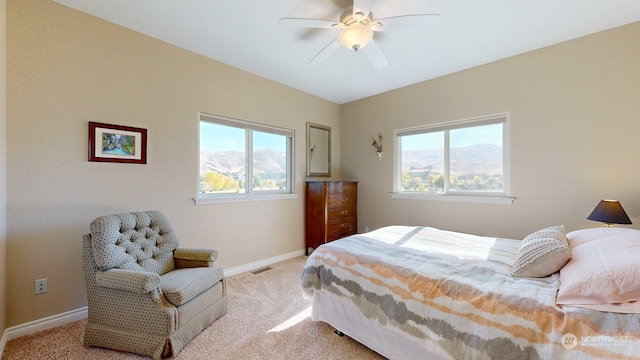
(347, 318)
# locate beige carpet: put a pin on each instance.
(255, 327)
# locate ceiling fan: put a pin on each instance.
(357, 27)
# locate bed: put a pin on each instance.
(412, 292)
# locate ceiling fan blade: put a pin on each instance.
(375, 54)
(326, 52)
(361, 6)
(311, 23)
(405, 22)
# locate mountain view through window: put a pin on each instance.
(456, 159)
(230, 155)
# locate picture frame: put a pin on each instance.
(318, 150)
(116, 143)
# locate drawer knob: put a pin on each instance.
(344, 225)
(344, 212)
(345, 199)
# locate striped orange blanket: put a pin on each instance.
(452, 294)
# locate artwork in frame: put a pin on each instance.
(115, 143)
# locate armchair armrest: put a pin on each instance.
(134, 281)
(188, 258)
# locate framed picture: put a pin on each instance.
(318, 150)
(115, 143)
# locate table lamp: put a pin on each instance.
(610, 212)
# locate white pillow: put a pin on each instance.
(581, 236)
(603, 274)
(542, 253)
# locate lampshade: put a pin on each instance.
(609, 212)
(356, 36)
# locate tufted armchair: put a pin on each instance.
(145, 294)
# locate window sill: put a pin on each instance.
(456, 198)
(241, 198)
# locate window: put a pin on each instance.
(465, 158)
(243, 160)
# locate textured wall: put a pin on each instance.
(3, 163)
(575, 120)
(67, 68)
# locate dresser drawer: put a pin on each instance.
(338, 236)
(342, 200)
(347, 225)
(342, 188)
(335, 213)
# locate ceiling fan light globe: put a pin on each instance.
(356, 36)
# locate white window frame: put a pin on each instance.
(493, 197)
(249, 194)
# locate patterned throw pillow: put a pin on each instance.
(542, 253)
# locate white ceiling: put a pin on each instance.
(246, 34)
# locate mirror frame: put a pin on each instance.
(318, 150)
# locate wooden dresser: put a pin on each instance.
(331, 211)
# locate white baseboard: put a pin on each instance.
(81, 313)
(262, 263)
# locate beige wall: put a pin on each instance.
(66, 68)
(575, 120)
(3, 164)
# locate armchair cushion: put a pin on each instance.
(181, 285)
(185, 257)
(134, 281)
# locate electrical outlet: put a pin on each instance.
(41, 286)
(366, 228)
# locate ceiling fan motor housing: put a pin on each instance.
(348, 18)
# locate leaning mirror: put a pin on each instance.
(318, 150)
